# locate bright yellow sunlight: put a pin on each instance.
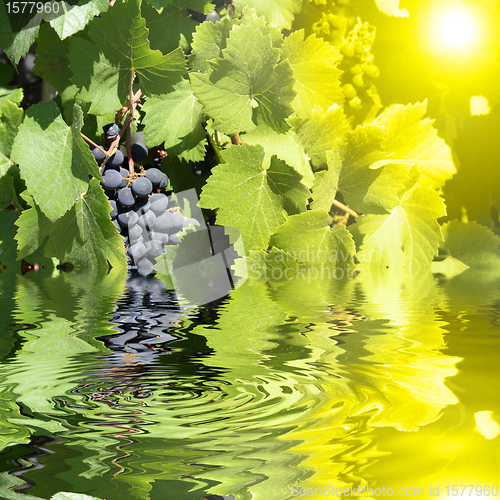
(456, 29)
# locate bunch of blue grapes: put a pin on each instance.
(141, 209)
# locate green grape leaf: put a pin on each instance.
(365, 189)
(468, 245)
(411, 140)
(285, 182)
(284, 146)
(167, 28)
(248, 76)
(310, 239)
(77, 16)
(103, 68)
(251, 196)
(51, 62)
(11, 117)
(273, 265)
(8, 193)
(175, 119)
(84, 236)
(6, 75)
(17, 40)
(64, 495)
(11, 94)
(208, 42)
(314, 63)
(391, 8)
(406, 239)
(319, 132)
(7, 242)
(326, 182)
(53, 158)
(279, 14)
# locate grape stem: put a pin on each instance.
(345, 208)
(236, 139)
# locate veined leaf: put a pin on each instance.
(279, 14)
(391, 8)
(251, 196)
(406, 239)
(54, 160)
(175, 119)
(284, 146)
(468, 245)
(11, 117)
(85, 236)
(120, 47)
(168, 26)
(248, 75)
(314, 64)
(310, 239)
(319, 132)
(76, 17)
(326, 182)
(411, 140)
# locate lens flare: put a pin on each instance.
(456, 29)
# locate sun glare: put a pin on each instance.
(456, 29)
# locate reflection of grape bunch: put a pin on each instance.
(141, 210)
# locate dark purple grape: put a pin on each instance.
(174, 238)
(116, 160)
(164, 182)
(97, 153)
(144, 267)
(155, 176)
(126, 198)
(124, 173)
(161, 237)
(114, 212)
(134, 233)
(164, 222)
(177, 219)
(147, 220)
(139, 151)
(128, 219)
(142, 187)
(111, 131)
(111, 179)
(116, 225)
(154, 248)
(137, 251)
(187, 222)
(159, 203)
(213, 16)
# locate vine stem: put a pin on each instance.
(345, 208)
(236, 139)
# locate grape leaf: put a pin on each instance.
(120, 47)
(314, 64)
(365, 189)
(77, 16)
(391, 8)
(51, 62)
(310, 239)
(175, 119)
(319, 132)
(7, 242)
(279, 14)
(11, 94)
(284, 146)
(16, 41)
(406, 239)
(11, 117)
(326, 182)
(252, 196)
(167, 27)
(64, 495)
(53, 158)
(468, 245)
(84, 236)
(248, 75)
(208, 42)
(272, 265)
(410, 140)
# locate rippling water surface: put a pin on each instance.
(282, 390)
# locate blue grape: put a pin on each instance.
(116, 160)
(187, 222)
(147, 220)
(114, 212)
(111, 179)
(128, 219)
(159, 203)
(144, 267)
(134, 233)
(126, 198)
(155, 176)
(97, 153)
(174, 238)
(164, 222)
(111, 131)
(213, 16)
(124, 173)
(142, 187)
(139, 151)
(177, 219)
